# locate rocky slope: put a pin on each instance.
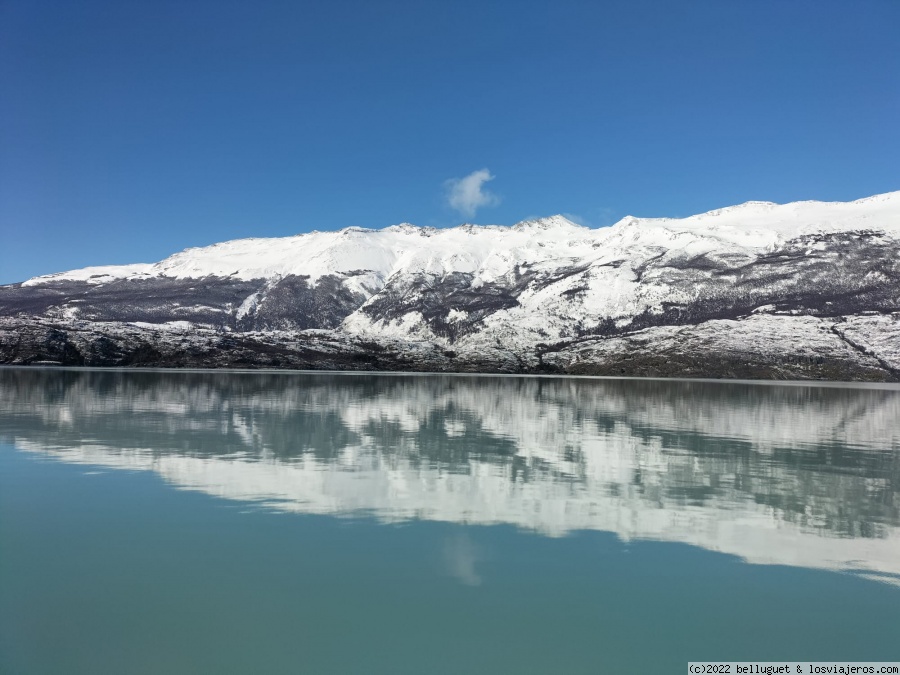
(802, 290)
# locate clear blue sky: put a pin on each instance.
(131, 130)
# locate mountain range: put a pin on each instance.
(759, 290)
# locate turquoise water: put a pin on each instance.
(165, 522)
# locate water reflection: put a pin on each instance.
(798, 475)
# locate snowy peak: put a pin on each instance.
(762, 225)
(317, 254)
(752, 225)
(540, 282)
(556, 222)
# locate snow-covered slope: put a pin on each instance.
(487, 250)
(757, 225)
(541, 282)
(492, 251)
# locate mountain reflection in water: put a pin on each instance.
(801, 475)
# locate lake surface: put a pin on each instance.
(226, 522)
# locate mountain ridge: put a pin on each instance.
(890, 198)
(528, 289)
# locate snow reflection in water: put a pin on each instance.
(802, 475)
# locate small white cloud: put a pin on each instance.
(459, 559)
(467, 195)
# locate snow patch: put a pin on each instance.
(457, 315)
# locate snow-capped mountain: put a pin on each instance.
(553, 294)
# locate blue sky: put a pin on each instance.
(131, 130)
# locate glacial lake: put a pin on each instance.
(233, 522)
